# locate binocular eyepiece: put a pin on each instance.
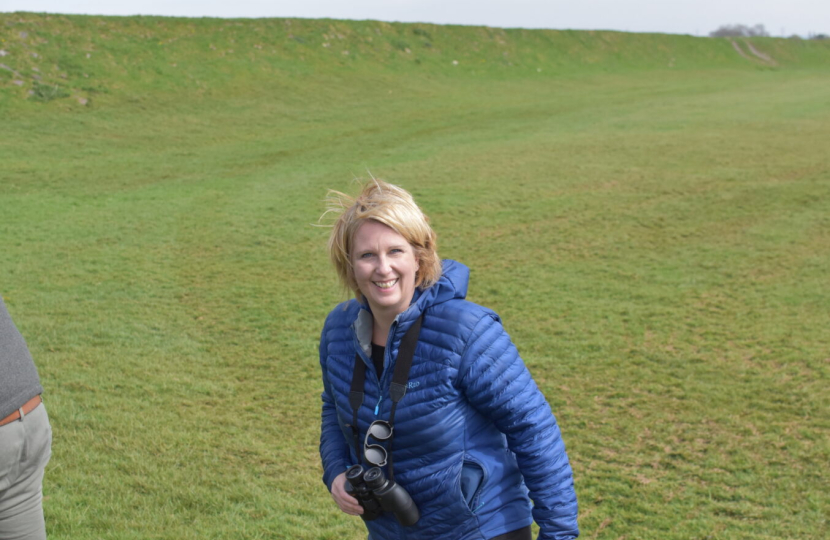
(377, 494)
(356, 487)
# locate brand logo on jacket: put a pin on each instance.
(413, 384)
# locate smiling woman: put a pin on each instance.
(473, 436)
(385, 267)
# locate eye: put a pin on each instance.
(365, 255)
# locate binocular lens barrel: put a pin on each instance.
(393, 498)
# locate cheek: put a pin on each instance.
(360, 271)
(357, 271)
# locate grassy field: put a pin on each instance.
(648, 213)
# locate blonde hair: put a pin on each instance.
(394, 207)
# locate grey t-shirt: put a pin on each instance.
(18, 375)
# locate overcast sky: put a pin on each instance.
(696, 17)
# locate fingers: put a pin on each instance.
(351, 508)
(346, 502)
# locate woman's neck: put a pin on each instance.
(382, 322)
(380, 329)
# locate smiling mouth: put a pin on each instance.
(385, 284)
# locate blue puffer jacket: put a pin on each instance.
(471, 405)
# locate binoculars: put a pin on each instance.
(377, 494)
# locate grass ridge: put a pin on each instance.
(49, 57)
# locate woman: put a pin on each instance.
(471, 436)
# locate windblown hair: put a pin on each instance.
(394, 207)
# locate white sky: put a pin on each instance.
(696, 17)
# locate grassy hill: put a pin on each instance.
(648, 213)
(58, 56)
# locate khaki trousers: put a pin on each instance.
(25, 449)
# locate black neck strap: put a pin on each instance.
(397, 390)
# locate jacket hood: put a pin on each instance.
(453, 284)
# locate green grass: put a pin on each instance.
(655, 235)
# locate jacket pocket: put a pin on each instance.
(473, 478)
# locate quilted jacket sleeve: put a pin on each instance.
(497, 383)
(333, 449)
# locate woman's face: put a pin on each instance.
(384, 267)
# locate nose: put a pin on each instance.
(383, 265)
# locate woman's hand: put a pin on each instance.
(346, 502)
